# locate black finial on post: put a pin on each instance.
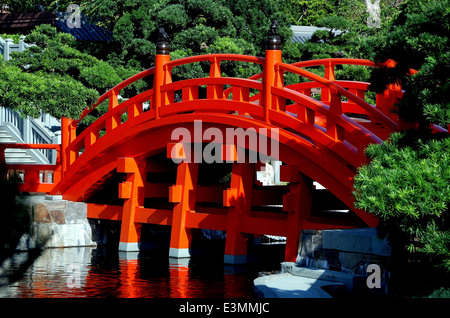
(162, 44)
(273, 41)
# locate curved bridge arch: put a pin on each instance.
(144, 140)
(319, 139)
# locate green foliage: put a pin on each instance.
(407, 181)
(31, 93)
(56, 78)
(408, 188)
(234, 46)
(196, 38)
(192, 70)
(101, 75)
(306, 12)
(173, 17)
(193, 25)
(440, 293)
(355, 38)
(14, 37)
(419, 40)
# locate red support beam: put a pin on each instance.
(298, 204)
(238, 199)
(106, 212)
(183, 195)
(132, 191)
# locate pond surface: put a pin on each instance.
(107, 273)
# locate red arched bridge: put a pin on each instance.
(129, 165)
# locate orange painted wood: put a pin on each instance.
(107, 212)
(229, 153)
(230, 197)
(187, 174)
(125, 190)
(175, 193)
(175, 151)
(299, 207)
(239, 198)
(134, 193)
(153, 216)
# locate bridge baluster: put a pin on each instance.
(134, 110)
(358, 92)
(305, 114)
(325, 96)
(168, 97)
(65, 139)
(90, 139)
(114, 120)
(31, 177)
(72, 153)
(278, 102)
(214, 91)
(333, 130)
(306, 91)
(189, 93)
(241, 94)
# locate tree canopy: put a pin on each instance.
(407, 183)
(56, 78)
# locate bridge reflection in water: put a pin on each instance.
(108, 273)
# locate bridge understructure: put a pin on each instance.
(136, 165)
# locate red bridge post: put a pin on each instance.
(132, 191)
(67, 136)
(242, 181)
(64, 142)
(271, 77)
(298, 204)
(161, 77)
(183, 195)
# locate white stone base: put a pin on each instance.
(129, 247)
(179, 252)
(54, 198)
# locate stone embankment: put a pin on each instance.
(56, 223)
(331, 262)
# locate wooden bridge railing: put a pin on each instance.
(231, 89)
(33, 177)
